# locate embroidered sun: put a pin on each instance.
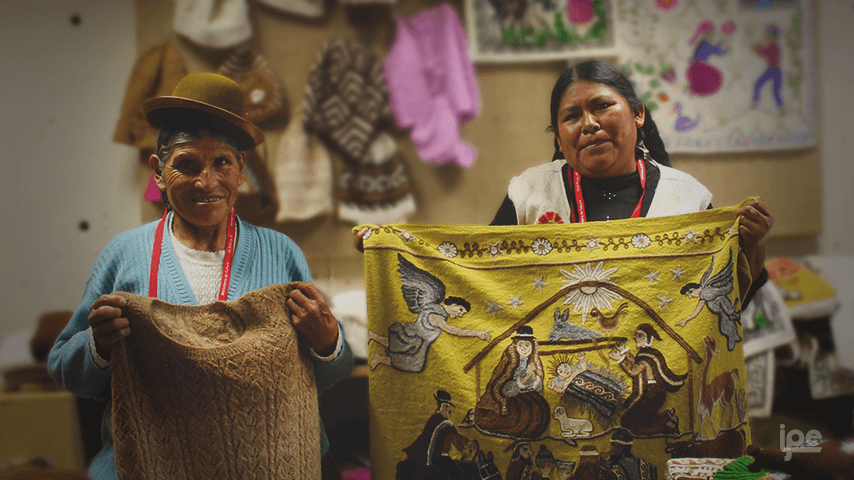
(589, 296)
(448, 249)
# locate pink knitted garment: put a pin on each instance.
(431, 84)
(219, 391)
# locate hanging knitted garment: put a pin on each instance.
(303, 175)
(156, 73)
(256, 198)
(213, 23)
(431, 84)
(222, 390)
(263, 93)
(346, 105)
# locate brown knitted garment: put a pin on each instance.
(222, 390)
(156, 73)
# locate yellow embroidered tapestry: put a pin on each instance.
(600, 349)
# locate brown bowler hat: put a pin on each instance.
(207, 99)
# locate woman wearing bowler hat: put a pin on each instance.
(197, 253)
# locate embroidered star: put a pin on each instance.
(406, 236)
(663, 302)
(652, 277)
(690, 236)
(515, 301)
(591, 244)
(493, 307)
(677, 274)
(539, 283)
(495, 249)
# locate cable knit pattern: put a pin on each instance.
(216, 391)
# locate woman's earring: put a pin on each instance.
(643, 150)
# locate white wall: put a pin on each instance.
(61, 88)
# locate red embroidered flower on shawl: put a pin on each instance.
(550, 217)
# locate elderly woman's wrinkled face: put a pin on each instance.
(597, 130)
(201, 179)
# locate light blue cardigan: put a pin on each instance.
(262, 257)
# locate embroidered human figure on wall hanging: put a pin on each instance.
(407, 343)
(596, 389)
(522, 466)
(770, 51)
(704, 78)
(623, 463)
(652, 379)
(428, 455)
(712, 292)
(512, 404)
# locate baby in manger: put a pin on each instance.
(593, 385)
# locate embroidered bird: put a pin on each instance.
(683, 122)
(606, 323)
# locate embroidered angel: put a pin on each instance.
(407, 343)
(712, 292)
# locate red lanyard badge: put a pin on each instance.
(226, 262)
(579, 199)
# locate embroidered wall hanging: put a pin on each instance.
(516, 31)
(725, 75)
(606, 345)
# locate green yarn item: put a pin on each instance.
(737, 470)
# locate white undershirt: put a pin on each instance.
(203, 269)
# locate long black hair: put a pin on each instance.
(596, 71)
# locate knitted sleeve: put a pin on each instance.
(282, 261)
(120, 266)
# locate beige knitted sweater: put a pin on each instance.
(222, 390)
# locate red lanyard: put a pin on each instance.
(226, 262)
(579, 200)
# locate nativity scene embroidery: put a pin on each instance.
(569, 376)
